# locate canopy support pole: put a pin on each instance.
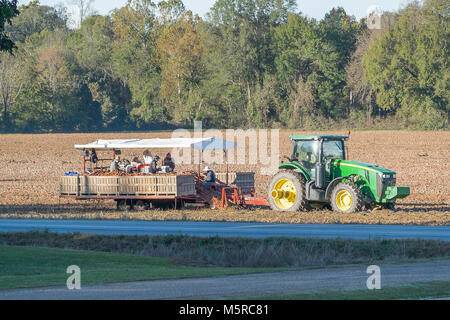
(226, 160)
(200, 154)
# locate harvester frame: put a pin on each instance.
(160, 191)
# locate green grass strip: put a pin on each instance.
(25, 267)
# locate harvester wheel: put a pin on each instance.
(124, 205)
(141, 205)
(346, 197)
(287, 192)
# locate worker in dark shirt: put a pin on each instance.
(169, 162)
(94, 158)
(210, 177)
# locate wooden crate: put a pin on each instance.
(107, 186)
(238, 179)
(127, 186)
(167, 185)
(88, 186)
(147, 186)
(69, 186)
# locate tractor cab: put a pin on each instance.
(310, 152)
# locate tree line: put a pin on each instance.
(248, 63)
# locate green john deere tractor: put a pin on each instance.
(318, 174)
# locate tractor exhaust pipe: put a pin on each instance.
(320, 169)
(320, 175)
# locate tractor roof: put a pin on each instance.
(317, 137)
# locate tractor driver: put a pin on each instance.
(306, 153)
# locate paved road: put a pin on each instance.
(354, 277)
(228, 229)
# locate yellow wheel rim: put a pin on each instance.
(344, 200)
(284, 194)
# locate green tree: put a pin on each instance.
(93, 45)
(135, 60)
(181, 49)
(409, 65)
(10, 86)
(311, 60)
(35, 18)
(54, 94)
(242, 33)
(8, 10)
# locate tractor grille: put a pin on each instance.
(383, 183)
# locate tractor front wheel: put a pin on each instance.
(287, 192)
(346, 197)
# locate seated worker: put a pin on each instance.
(94, 158)
(148, 158)
(136, 160)
(169, 162)
(115, 164)
(154, 165)
(210, 177)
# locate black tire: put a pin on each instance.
(141, 205)
(356, 197)
(124, 205)
(319, 206)
(299, 182)
(389, 206)
(163, 206)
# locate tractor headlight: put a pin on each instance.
(388, 177)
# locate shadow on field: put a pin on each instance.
(80, 208)
(58, 208)
(110, 206)
(424, 207)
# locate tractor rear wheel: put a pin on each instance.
(287, 192)
(346, 197)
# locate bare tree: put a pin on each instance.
(84, 10)
(10, 85)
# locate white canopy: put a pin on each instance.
(201, 144)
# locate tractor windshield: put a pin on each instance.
(307, 154)
(333, 149)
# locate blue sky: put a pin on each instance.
(312, 8)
